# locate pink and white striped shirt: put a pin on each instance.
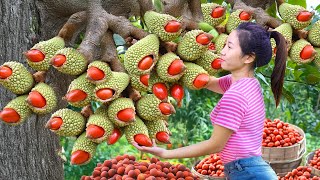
(242, 110)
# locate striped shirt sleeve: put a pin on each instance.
(225, 82)
(232, 110)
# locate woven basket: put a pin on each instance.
(314, 171)
(283, 167)
(290, 153)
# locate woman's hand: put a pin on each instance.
(157, 151)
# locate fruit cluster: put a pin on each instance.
(315, 161)
(211, 165)
(279, 134)
(126, 167)
(300, 173)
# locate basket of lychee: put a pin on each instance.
(210, 167)
(313, 161)
(300, 173)
(282, 141)
(127, 168)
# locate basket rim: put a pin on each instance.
(309, 156)
(193, 170)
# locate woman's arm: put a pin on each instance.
(213, 85)
(215, 144)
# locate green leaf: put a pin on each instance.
(287, 94)
(272, 10)
(312, 79)
(302, 3)
(318, 7)
(262, 78)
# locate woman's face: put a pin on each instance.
(232, 55)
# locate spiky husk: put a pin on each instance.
(116, 106)
(137, 127)
(85, 144)
(75, 62)
(163, 65)
(49, 95)
(193, 70)
(289, 12)
(188, 48)
(20, 81)
(156, 23)
(205, 62)
(207, 9)
(234, 20)
(148, 108)
(48, 48)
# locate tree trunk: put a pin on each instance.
(27, 151)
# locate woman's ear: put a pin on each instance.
(249, 58)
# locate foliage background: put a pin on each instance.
(300, 105)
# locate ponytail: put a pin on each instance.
(278, 72)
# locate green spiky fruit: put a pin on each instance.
(48, 49)
(207, 10)
(82, 83)
(148, 108)
(206, 61)
(73, 122)
(117, 83)
(84, 144)
(188, 48)
(296, 49)
(137, 127)
(286, 30)
(156, 126)
(147, 46)
(193, 70)
(234, 20)
(118, 105)
(163, 66)
(314, 34)
(156, 23)
(48, 94)
(317, 58)
(221, 42)
(104, 67)
(20, 106)
(75, 62)
(20, 81)
(137, 84)
(100, 118)
(289, 13)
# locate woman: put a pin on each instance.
(239, 116)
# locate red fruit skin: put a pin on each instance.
(34, 55)
(307, 52)
(94, 131)
(172, 26)
(142, 140)
(217, 12)
(163, 137)
(76, 95)
(166, 108)
(104, 94)
(145, 63)
(176, 67)
(304, 16)
(54, 123)
(245, 16)
(144, 79)
(79, 157)
(5, 72)
(58, 60)
(126, 115)
(177, 92)
(9, 115)
(203, 39)
(95, 73)
(216, 64)
(160, 91)
(35, 99)
(114, 137)
(201, 81)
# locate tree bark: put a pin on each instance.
(27, 151)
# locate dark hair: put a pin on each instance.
(254, 39)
